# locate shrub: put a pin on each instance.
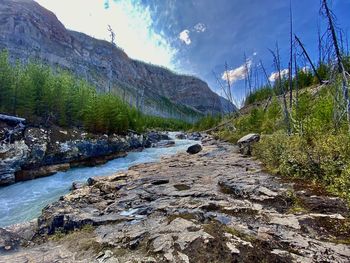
(324, 158)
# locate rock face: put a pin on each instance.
(30, 31)
(246, 142)
(12, 157)
(41, 152)
(216, 206)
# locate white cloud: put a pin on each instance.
(236, 74)
(274, 75)
(184, 36)
(131, 22)
(200, 28)
(305, 69)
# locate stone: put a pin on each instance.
(12, 157)
(196, 136)
(106, 257)
(164, 144)
(194, 149)
(246, 142)
(181, 136)
(77, 185)
(8, 241)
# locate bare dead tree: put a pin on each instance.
(308, 58)
(277, 63)
(224, 90)
(268, 84)
(290, 73)
(332, 29)
(111, 34)
(296, 82)
(228, 83)
(347, 43)
(248, 75)
(320, 54)
(265, 74)
(297, 92)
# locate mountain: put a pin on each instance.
(29, 31)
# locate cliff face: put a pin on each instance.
(30, 31)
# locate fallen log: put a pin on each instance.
(12, 120)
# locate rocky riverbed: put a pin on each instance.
(213, 206)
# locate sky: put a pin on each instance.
(198, 37)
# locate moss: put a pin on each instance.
(296, 204)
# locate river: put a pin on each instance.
(24, 201)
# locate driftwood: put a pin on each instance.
(12, 120)
(134, 132)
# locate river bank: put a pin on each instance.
(29, 152)
(215, 206)
(23, 201)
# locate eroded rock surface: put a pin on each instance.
(39, 152)
(216, 206)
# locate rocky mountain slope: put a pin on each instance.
(29, 31)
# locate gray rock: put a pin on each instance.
(246, 142)
(196, 136)
(194, 149)
(164, 144)
(181, 136)
(8, 241)
(12, 157)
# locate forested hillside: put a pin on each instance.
(44, 97)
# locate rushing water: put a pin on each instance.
(24, 201)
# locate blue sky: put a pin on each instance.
(197, 36)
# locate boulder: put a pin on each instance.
(164, 144)
(246, 142)
(180, 136)
(8, 241)
(196, 136)
(194, 149)
(12, 157)
(154, 137)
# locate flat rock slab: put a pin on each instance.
(215, 206)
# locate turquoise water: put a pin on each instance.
(24, 201)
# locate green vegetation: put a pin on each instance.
(304, 126)
(207, 122)
(305, 79)
(317, 150)
(43, 96)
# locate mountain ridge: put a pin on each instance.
(31, 31)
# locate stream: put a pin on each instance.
(24, 201)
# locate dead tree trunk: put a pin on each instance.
(309, 59)
(277, 63)
(338, 54)
(269, 85)
(247, 70)
(291, 57)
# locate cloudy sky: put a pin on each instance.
(197, 37)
